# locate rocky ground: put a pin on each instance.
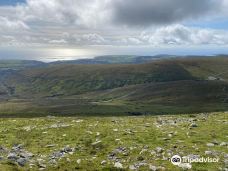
(113, 143)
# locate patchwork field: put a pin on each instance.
(113, 143)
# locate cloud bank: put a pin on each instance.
(72, 23)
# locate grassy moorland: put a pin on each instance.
(113, 143)
(115, 116)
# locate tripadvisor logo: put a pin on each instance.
(177, 160)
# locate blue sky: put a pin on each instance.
(11, 2)
(57, 29)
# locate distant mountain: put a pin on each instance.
(19, 64)
(115, 59)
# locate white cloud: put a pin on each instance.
(93, 38)
(91, 22)
(12, 25)
(89, 13)
(61, 41)
(182, 35)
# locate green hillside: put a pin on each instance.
(19, 64)
(77, 79)
(163, 86)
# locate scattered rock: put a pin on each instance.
(17, 147)
(159, 150)
(185, 166)
(140, 164)
(223, 144)
(57, 155)
(103, 162)
(170, 135)
(208, 152)
(21, 161)
(3, 150)
(210, 145)
(67, 149)
(41, 166)
(53, 162)
(160, 168)
(26, 155)
(215, 142)
(193, 125)
(97, 143)
(118, 165)
(153, 168)
(132, 167)
(226, 162)
(12, 156)
(79, 161)
(213, 153)
(62, 152)
(225, 155)
(59, 125)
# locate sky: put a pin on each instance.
(50, 30)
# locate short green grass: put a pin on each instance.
(139, 135)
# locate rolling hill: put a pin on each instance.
(180, 85)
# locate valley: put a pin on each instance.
(177, 85)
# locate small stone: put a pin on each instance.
(223, 144)
(193, 125)
(153, 168)
(185, 165)
(208, 152)
(160, 168)
(12, 156)
(226, 162)
(42, 166)
(225, 155)
(3, 150)
(26, 155)
(170, 135)
(103, 162)
(210, 145)
(56, 155)
(159, 150)
(79, 161)
(118, 165)
(96, 143)
(53, 162)
(17, 147)
(78, 121)
(215, 142)
(132, 167)
(166, 139)
(67, 149)
(50, 145)
(21, 161)
(115, 130)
